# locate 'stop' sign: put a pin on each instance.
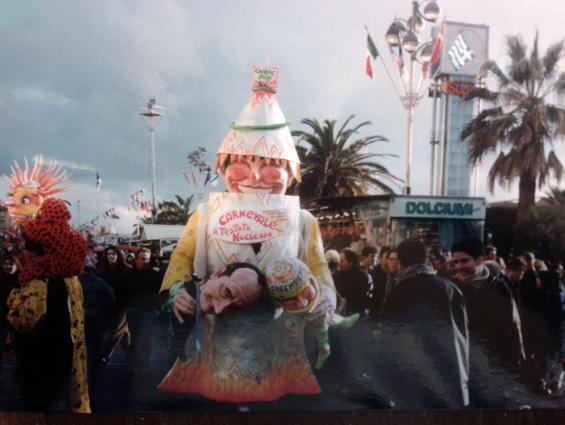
(430, 207)
(464, 50)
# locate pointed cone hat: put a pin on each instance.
(261, 128)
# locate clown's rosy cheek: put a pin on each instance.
(271, 173)
(237, 171)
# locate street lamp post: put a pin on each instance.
(405, 33)
(149, 116)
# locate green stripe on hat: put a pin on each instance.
(234, 126)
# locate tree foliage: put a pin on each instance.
(335, 163)
(544, 228)
(520, 124)
(171, 212)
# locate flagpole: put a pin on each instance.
(396, 89)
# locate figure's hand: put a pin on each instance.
(183, 304)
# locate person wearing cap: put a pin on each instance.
(496, 350)
(253, 222)
(48, 312)
(293, 287)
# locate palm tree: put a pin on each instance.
(335, 165)
(171, 212)
(555, 198)
(544, 229)
(521, 123)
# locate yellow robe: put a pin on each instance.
(27, 307)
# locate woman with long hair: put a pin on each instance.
(113, 268)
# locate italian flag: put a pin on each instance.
(372, 54)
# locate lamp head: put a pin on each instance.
(424, 53)
(431, 11)
(395, 32)
(410, 42)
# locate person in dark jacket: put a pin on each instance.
(352, 283)
(496, 350)
(422, 340)
(144, 303)
(99, 308)
(379, 274)
(351, 360)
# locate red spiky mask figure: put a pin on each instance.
(57, 250)
(30, 187)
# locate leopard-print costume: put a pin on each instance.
(64, 251)
(26, 312)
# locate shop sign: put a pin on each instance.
(448, 208)
(464, 50)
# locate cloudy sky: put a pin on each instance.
(75, 75)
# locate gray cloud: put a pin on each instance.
(75, 75)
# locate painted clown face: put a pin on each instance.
(256, 176)
(302, 300)
(23, 203)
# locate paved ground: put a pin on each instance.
(116, 389)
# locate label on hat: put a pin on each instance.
(265, 78)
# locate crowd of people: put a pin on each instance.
(437, 329)
(121, 309)
(465, 316)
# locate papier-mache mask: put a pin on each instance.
(261, 130)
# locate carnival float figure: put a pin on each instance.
(244, 354)
(48, 312)
(29, 188)
(299, 293)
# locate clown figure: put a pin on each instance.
(292, 285)
(29, 188)
(254, 222)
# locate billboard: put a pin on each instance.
(464, 50)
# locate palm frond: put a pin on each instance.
(336, 164)
(482, 93)
(552, 57)
(555, 165)
(559, 84)
(493, 67)
(515, 48)
(556, 117)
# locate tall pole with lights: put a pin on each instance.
(149, 116)
(403, 34)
